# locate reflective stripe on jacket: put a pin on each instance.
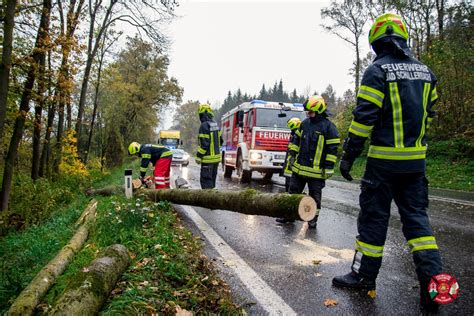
(394, 108)
(210, 141)
(151, 153)
(315, 147)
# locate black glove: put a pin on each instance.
(345, 167)
(142, 179)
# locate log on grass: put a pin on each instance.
(89, 288)
(106, 191)
(26, 302)
(250, 202)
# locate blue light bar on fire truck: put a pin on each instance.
(258, 102)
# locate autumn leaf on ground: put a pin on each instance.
(182, 312)
(318, 274)
(315, 262)
(330, 302)
(372, 293)
(215, 282)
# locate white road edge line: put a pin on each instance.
(263, 293)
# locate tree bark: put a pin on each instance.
(6, 62)
(250, 202)
(90, 288)
(63, 87)
(37, 124)
(38, 51)
(26, 302)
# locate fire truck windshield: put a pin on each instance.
(269, 117)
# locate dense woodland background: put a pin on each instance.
(71, 97)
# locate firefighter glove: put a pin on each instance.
(345, 167)
(198, 161)
(142, 179)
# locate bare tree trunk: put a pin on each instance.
(357, 66)
(45, 153)
(6, 62)
(89, 290)
(91, 53)
(40, 103)
(38, 52)
(250, 202)
(26, 302)
(440, 9)
(64, 94)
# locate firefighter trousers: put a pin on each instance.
(315, 187)
(162, 173)
(208, 175)
(410, 192)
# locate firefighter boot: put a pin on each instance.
(312, 223)
(427, 305)
(353, 280)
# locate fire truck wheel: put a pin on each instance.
(268, 176)
(228, 171)
(244, 175)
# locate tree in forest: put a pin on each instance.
(136, 88)
(451, 58)
(186, 120)
(6, 62)
(146, 16)
(39, 50)
(348, 20)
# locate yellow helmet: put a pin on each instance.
(293, 123)
(316, 104)
(388, 24)
(133, 148)
(205, 108)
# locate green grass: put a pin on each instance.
(441, 173)
(167, 269)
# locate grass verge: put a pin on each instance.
(441, 173)
(168, 271)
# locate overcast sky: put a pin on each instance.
(224, 45)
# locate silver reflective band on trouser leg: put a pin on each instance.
(422, 243)
(357, 261)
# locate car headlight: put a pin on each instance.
(255, 156)
(185, 156)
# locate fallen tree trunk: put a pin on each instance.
(90, 288)
(26, 302)
(106, 191)
(250, 202)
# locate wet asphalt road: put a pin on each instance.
(284, 255)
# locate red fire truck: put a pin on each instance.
(256, 137)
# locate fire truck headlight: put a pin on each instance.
(255, 156)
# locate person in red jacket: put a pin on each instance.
(159, 156)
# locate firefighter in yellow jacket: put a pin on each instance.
(209, 151)
(394, 108)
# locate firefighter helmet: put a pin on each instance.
(293, 123)
(316, 104)
(205, 108)
(133, 148)
(388, 24)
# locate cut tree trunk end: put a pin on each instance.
(250, 202)
(26, 302)
(90, 288)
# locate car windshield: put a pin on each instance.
(178, 152)
(169, 141)
(269, 117)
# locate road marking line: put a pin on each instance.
(268, 299)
